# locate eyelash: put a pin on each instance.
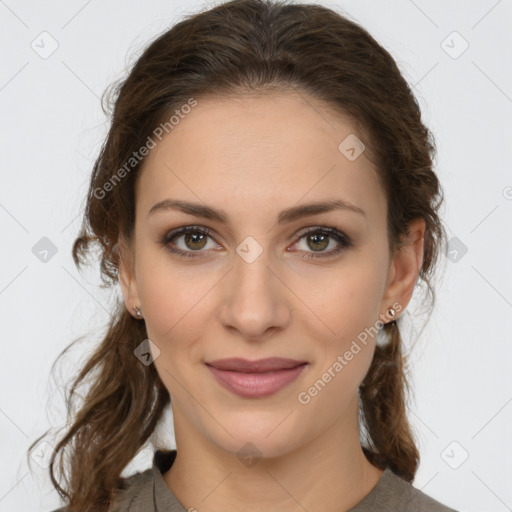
(339, 236)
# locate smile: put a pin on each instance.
(256, 384)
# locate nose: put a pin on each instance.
(255, 299)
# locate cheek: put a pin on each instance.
(344, 300)
(346, 304)
(344, 357)
(176, 303)
(334, 388)
(175, 322)
(175, 297)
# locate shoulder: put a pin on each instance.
(394, 494)
(135, 494)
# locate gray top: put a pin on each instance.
(147, 492)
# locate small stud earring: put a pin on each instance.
(137, 312)
(392, 314)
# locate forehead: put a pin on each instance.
(255, 151)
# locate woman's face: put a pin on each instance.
(256, 286)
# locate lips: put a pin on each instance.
(269, 364)
(256, 379)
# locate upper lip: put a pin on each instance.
(238, 364)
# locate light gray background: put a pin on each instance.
(51, 133)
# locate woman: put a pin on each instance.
(266, 200)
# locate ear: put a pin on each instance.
(405, 269)
(127, 276)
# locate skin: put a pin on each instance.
(253, 157)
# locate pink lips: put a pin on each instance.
(255, 379)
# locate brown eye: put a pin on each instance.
(317, 240)
(194, 239)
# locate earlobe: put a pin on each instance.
(127, 280)
(406, 266)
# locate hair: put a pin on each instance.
(237, 48)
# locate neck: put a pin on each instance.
(329, 473)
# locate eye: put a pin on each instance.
(320, 238)
(194, 240)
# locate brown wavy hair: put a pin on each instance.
(235, 48)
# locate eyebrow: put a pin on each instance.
(285, 216)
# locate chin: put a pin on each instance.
(249, 449)
(254, 437)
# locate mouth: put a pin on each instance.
(256, 379)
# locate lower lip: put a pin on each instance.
(256, 385)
